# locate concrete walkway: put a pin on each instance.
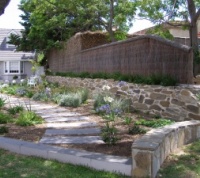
(67, 127)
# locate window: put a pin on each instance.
(14, 67)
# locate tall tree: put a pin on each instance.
(47, 22)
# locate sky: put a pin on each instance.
(10, 19)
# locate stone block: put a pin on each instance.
(157, 96)
(149, 101)
(193, 109)
(140, 106)
(155, 107)
(165, 103)
(188, 135)
(141, 99)
(156, 162)
(181, 137)
(177, 102)
(185, 92)
(193, 116)
(173, 137)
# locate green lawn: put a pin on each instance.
(18, 166)
(186, 165)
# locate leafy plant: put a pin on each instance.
(40, 96)
(16, 109)
(109, 134)
(136, 130)
(27, 118)
(71, 99)
(2, 102)
(127, 120)
(5, 118)
(3, 129)
(154, 123)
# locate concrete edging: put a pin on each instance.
(97, 161)
(150, 151)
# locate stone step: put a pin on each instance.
(71, 125)
(86, 131)
(50, 115)
(72, 140)
(66, 119)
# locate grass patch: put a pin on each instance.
(154, 123)
(186, 165)
(16, 109)
(13, 165)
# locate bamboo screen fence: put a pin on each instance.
(143, 55)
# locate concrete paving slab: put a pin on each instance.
(66, 119)
(71, 125)
(70, 140)
(86, 131)
(63, 114)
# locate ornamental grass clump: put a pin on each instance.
(5, 118)
(28, 118)
(16, 109)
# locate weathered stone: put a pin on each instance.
(140, 173)
(114, 89)
(157, 96)
(143, 160)
(158, 90)
(140, 106)
(193, 109)
(164, 103)
(177, 102)
(181, 137)
(155, 107)
(167, 92)
(124, 88)
(149, 101)
(193, 116)
(185, 92)
(136, 91)
(141, 99)
(121, 93)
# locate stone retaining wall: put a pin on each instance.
(150, 151)
(177, 103)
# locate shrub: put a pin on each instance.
(2, 102)
(5, 118)
(154, 123)
(40, 96)
(109, 134)
(136, 130)
(3, 129)
(21, 91)
(16, 109)
(71, 99)
(27, 118)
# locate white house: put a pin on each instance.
(12, 62)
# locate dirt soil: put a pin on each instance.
(121, 148)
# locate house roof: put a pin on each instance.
(16, 56)
(3, 4)
(5, 33)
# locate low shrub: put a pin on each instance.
(27, 118)
(154, 79)
(3, 129)
(154, 123)
(136, 130)
(40, 96)
(5, 118)
(16, 109)
(2, 102)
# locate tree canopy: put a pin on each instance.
(47, 22)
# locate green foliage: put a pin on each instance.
(71, 99)
(109, 134)
(154, 123)
(3, 130)
(15, 165)
(2, 102)
(47, 23)
(40, 96)
(28, 118)
(127, 120)
(16, 109)
(160, 31)
(154, 79)
(5, 118)
(136, 130)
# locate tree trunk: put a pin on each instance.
(110, 30)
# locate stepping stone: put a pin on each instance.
(66, 119)
(87, 131)
(71, 125)
(73, 140)
(66, 114)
